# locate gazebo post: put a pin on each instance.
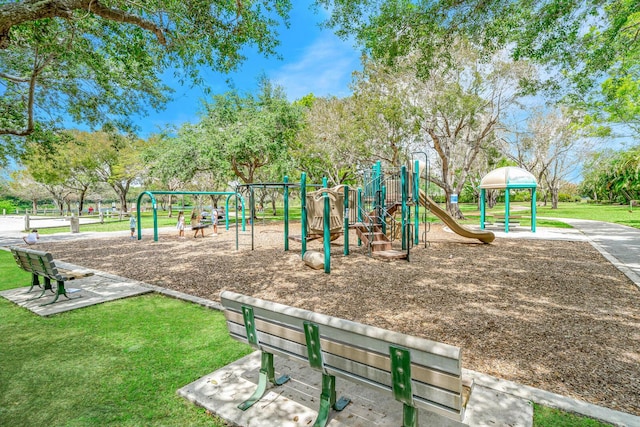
(506, 210)
(482, 212)
(533, 210)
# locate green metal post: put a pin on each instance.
(244, 220)
(328, 397)
(415, 198)
(482, 208)
(154, 205)
(237, 220)
(506, 211)
(252, 212)
(377, 184)
(286, 213)
(346, 220)
(403, 186)
(382, 206)
(327, 234)
(267, 372)
(359, 209)
(533, 210)
(401, 384)
(138, 216)
(303, 211)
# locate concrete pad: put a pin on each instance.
(96, 289)
(488, 407)
(295, 403)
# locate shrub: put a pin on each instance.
(7, 205)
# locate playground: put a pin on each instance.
(550, 314)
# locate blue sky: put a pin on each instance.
(313, 60)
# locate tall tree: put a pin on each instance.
(583, 44)
(101, 61)
(383, 112)
(24, 186)
(253, 132)
(460, 107)
(551, 148)
(332, 141)
(118, 160)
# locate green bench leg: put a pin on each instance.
(409, 416)
(267, 374)
(60, 290)
(328, 396)
(328, 400)
(35, 281)
(47, 287)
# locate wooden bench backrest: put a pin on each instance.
(38, 262)
(355, 351)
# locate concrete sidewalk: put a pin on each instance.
(493, 402)
(619, 244)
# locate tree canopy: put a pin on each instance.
(590, 48)
(101, 61)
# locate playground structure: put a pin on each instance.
(384, 210)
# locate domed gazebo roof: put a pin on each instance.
(508, 177)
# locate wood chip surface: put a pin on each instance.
(550, 314)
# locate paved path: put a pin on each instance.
(620, 244)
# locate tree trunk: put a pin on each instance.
(554, 197)
(82, 193)
(491, 198)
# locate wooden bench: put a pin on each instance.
(41, 264)
(419, 373)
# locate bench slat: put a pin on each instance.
(428, 397)
(376, 360)
(443, 357)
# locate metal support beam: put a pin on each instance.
(267, 371)
(328, 397)
(401, 384)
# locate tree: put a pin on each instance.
(613, 175)
(383, 112)
(331, 142)
(251, 133)
(118, 160)
(100, 61)
(551, 149)
(459, 107)
(24, 186)
(581, 43)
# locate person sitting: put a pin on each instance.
(31, 238)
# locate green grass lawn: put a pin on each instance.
(113, 224)
(619, 214)
(547, 417)
(117, 364)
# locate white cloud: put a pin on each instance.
(324, 68)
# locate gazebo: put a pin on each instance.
(505, 179)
